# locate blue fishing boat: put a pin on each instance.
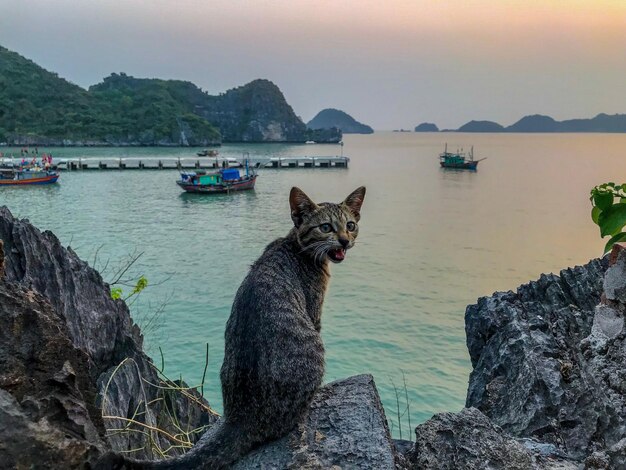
(221, 181)
(458, 160)
(27, 176)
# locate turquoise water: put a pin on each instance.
(431, 241)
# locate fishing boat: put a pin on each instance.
(25, 176)
(458, 160)
(207, 153)
(221, 181)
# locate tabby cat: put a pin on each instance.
(274, 356)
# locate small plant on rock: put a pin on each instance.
(609, 212)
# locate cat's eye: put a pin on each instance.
(326, 228)
(351, 226)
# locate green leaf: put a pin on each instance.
(142, 283)
(620, 237)
(603, 200)
(116, 293)
(595, 214)
(613, 219)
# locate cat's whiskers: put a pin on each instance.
(312, 246)
(321, 250)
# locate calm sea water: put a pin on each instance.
(431, 241)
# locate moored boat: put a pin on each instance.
(458, 160)
(27, 176)
(222, 181)
(207, 153)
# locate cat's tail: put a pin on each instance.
(218, 448)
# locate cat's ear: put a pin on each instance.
(301, 205)
(354, 201)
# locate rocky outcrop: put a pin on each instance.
(530, 373)
(46, 397)
(548, 386)
(61, 340)
(550, 361)
(346, 428)
(468, 440)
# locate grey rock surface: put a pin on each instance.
(96, 324)
(346, 428)
(47, 417)
(550, 363)
(468, 440)
(61, 338)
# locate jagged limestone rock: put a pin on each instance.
(47, 416)
(550, 363)
(346, 428)
(90, 328)
(468, 440)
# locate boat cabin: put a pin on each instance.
(452, 158)
(202, 178)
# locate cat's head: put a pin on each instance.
(326, 231)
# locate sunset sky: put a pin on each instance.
(390, 64)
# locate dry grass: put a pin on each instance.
(169, 431)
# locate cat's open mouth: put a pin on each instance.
(337, 255)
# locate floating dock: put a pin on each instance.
(151, 163)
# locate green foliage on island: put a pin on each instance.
(151, 111)
(609, 212)
(39, 107)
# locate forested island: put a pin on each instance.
(336, 119)
(39, 107)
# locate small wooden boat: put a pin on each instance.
(27, 176)
(222, 181)
(207, 153)
(458, 160)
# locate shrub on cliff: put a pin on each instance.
(609, 212)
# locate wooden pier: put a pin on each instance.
(151, 163)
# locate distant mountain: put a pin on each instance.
(329, 118)
(39, 107)
(534, 123)
(539, 123)
(481, 126)
(426, 127)
(601, 123)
